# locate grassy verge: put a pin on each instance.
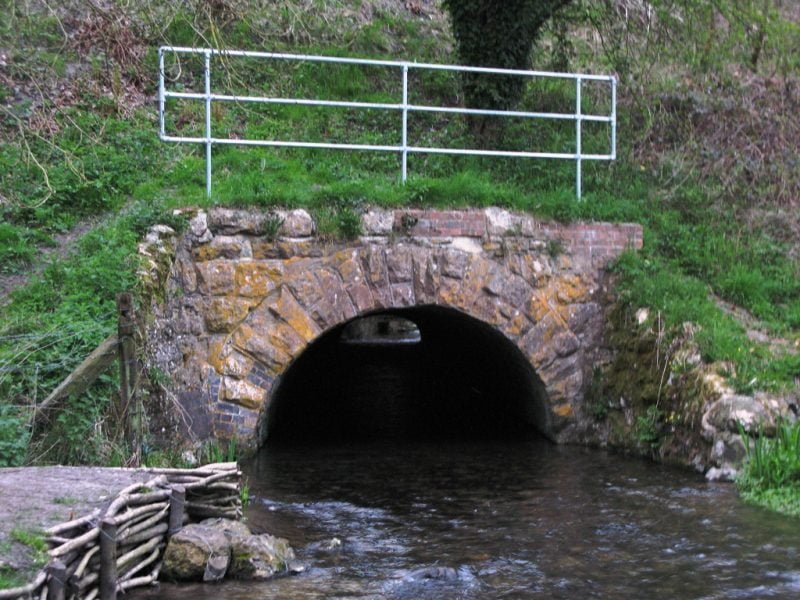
(33, 553)
(51, 324)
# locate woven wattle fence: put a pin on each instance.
(98, 555)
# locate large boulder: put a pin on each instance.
(197, 553)
(732, 411)
(260, 557)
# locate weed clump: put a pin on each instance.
(770, 476)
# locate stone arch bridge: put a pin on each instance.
(515, 302)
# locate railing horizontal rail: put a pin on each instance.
(383, 148)
(386, 106)
(386, 63)
(404, 107)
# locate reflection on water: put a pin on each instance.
(506, 520)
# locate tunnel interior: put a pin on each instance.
(425, 372)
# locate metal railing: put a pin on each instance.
(404, 107)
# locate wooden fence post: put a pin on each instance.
(126, 329)
(56, 586)
(177, 503)
(108, 559)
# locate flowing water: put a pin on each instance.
(506, 520)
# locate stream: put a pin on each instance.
(514, 519)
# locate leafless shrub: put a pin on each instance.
(110, 30)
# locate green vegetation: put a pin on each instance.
(707, 163)
(244, 494)
(500, 35)
(11, 578)
(211, 452)
(31, 538)
(771, 473)
(35, 556)
(648, 428)
(66, 500)
(14, 437)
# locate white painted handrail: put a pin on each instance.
(209, 140)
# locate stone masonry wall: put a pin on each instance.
(248, 291)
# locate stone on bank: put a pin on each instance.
(218, 548)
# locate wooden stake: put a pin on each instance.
(177, 502)
(56, 587)
(108, 559)
(127, 361)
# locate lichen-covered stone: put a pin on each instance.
(215, 277)
(189, 552)
(300, 279)
(228, 221)
(500, 222)
(260, 557)
(284, 249)
(227, 360)
(733, 411)
(297, 223)
(536, 344)
(403, 294)
(377, 222)
(198, 226)
(217, 548)
(253, 342)
(453, 263)
(222, 246)
(287, 308)
(256, 279)
(335, 307)
(222, 315)
(512, 288)
(426, 276)
(399, 264)
(243, 393)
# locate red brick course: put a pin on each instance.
(440, 223)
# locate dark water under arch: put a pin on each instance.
(462, 379)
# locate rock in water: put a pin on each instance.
(332, 544)
(259, 557)
(216, 548)
(443, 573)
(195, 551)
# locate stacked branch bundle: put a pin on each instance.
(110, 551)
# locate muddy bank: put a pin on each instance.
(35, 498)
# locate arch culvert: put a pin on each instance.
(425, 372)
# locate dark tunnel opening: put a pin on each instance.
(418, 373)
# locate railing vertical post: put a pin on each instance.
(161, 126)
(613, 118)
(404, 173)
(578, 148)
(207, 72)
